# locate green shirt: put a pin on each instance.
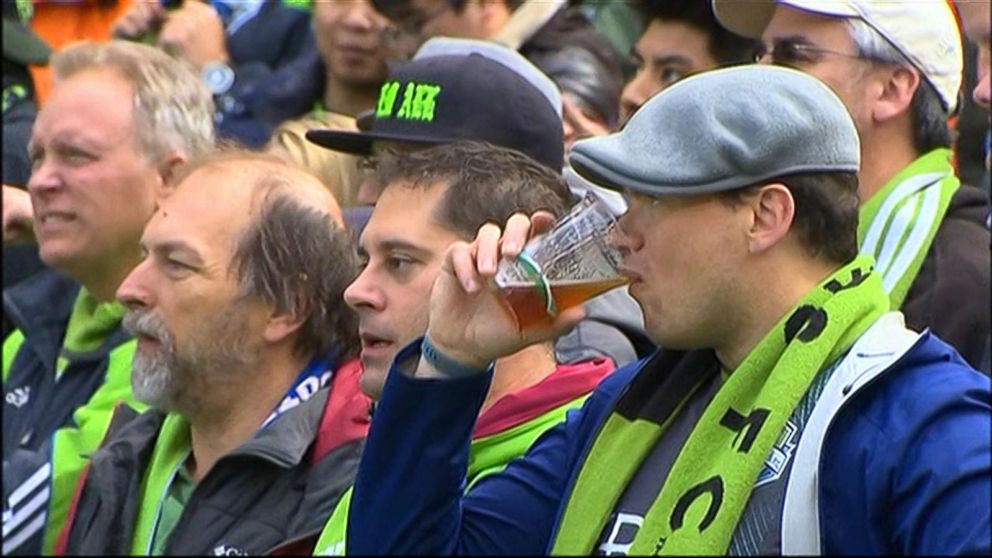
(164, 491)
(172, 508)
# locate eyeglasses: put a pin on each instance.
(630, 195)
(791, 53)
(405, 35)
(368, 165)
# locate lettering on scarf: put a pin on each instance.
(712, 486)
(418, 104)
(806, 323)
(857, 277)
(749, 426)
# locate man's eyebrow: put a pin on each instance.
(167, 247)
(397, 244)
(665, 59)
(794, 39)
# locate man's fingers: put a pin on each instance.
(516, 234)
(541, 222)
(487, 249)
(463, 265)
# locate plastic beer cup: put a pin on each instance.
(564, 267)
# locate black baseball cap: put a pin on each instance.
(441, 99)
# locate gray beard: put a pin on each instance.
(176, 379)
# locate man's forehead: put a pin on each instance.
(408, 213)
(671, 42)
(86, 105)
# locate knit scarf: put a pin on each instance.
(700, 503)
(898, 223)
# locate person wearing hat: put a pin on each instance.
(433, 198)
(556, 35)
(461, 89)
(22, 48)
(789, 412)
(898, 68)
(440, 98)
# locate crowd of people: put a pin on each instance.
(249, 302)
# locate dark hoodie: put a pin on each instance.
(955, 275)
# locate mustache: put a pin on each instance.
(142, 322)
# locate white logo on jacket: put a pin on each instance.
(225, 550)
(18, 396)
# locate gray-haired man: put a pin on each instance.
(241, 327)
(897, 67)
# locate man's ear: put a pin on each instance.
(281, 325)
(772, 212)
(898, 86)
(167, 169)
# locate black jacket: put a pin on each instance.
(264, 45)
(272, 491)
(951, 292)
(40, 309)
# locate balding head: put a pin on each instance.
(244, 179)
(285, 236)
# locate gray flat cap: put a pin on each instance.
(723, 130)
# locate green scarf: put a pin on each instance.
(710, 482)
(898, 224)
(90, 324)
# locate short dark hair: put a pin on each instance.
(485, 183)
(826, 217)
(725, 46)
(929, 119)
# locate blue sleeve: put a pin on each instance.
(909, 470)
(408, 496)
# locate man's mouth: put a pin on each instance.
(55, 217)
(374, 342)
(147, 342)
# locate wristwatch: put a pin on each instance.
(218, 76)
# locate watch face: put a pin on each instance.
(218, 77)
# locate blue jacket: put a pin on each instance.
(906, 468)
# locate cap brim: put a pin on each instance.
(750, 17)
(23, 46)
(360, 143)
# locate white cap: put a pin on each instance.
(448, 46)
(924, 31)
